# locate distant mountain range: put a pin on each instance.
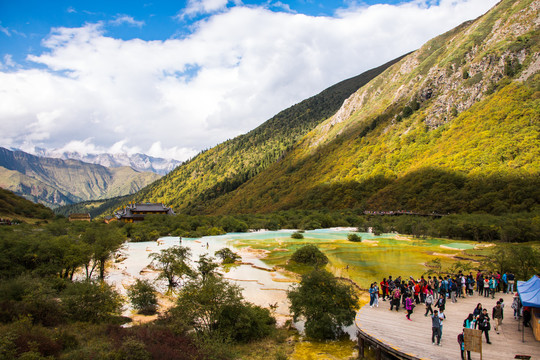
(450, 128)
(138, 162)
(56, 182)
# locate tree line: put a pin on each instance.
(516, 227)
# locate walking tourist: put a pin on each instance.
(429, 302)
(441, 303)
(409, 306)
(486, 286)
(493, 286)
(497, 315)
(461, 342)
(371, 294)
(435, 328)
(384, 289)
(476, 313)
(375, 295)
(515, 305)
(442, 317)
(394, 301)
(480, 284)
(469, 322)
(510, 277)
(484, 325)
(453, 291)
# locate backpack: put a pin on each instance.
(485, 323)
(460, 338)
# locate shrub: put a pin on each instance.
(309, 255)
(245, 322)
(354, 238)
(335, 304)
(91, 301)
(297, 235)
(143, 297)
(227, 256)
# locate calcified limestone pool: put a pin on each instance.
(370, 260)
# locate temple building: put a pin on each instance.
(137, 212)
(80, 217)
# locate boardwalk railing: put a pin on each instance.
(382, 350)
(401, 212)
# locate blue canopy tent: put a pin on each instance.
(529, 291)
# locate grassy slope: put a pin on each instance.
(13, 206)
(484, 159)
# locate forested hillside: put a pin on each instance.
(16, 207)
(453, 127)
(450, 128)
(225, 167)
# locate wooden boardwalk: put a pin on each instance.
(414, 337)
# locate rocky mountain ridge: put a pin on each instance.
(138, 162)
(55, 182)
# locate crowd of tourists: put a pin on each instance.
(434, 292)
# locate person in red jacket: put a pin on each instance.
(384, 289)
(417, 288)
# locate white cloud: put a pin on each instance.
(195, 7)
(5, 30)
(238, 68)
(8, 62)
(126, 19)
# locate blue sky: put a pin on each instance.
(170, 78)
(25, 23)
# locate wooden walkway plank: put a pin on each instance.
(414, 337)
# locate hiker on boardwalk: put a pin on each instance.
(441, 303)
(375, 295)
(442, 317)
(486, 286)
(484, 325)
(469, 322)
(476, 313)
(510, 277)
(515, 305)
(461, 342)
(429, 301)
(395, 298)
(480, 285)
(493, 286)
(497, 315)
(409, 306)
(371, 294)
(384, 289)
(435, 328)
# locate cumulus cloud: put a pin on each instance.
(175, 97)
